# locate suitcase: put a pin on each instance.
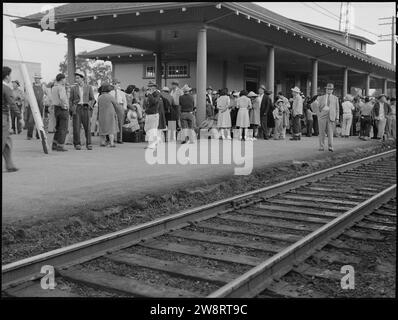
(134, 137)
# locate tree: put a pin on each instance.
(96, 71)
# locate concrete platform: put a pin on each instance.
(62, 183)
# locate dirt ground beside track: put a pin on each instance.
(23, 239)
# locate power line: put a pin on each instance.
(336, 18)
(326, 10)
(32, 40)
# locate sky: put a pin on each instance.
(49, 49)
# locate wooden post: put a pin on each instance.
(71, 60)
(201, 74)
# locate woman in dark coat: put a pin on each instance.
(270, 117)
(162, 114)
(107, 117)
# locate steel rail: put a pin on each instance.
(29, 268)
(258, 278)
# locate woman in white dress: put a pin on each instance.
(254, 113)
(243, 121)
(224, 117)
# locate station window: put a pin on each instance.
(177, 71)
(149, 71)
(173, 71)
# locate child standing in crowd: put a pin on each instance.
(279, 123)
(242, 120)
(309, 119)
(224, 117)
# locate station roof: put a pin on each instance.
(337, 32)
(83, 19)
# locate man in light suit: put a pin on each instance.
(380, 113)
(328, 114)
(81, 103)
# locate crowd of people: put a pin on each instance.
(145, 114)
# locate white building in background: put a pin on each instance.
(16, 74)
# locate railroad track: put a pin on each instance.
(320, 275)
(235, 247)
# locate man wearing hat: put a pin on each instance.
(265, 108)
(81, 102)
(187, 119)
(380, 113)
(39, 94)
(121, 100)
(167, 103)
(7, 105)
(152, 103)
(19, 99)
(61, 111)
(328, 106)
(297, 113)
(176, 93)
(391, 120)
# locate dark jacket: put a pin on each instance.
(167, 102)
(8, 101)
(266, 105)
(152, 103)
(186, 103)
(376, 109)
(39, 94)
(88, 96)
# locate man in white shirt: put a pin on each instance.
(121, 100)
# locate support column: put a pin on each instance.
(314, 82)
(158, 69)
(270, 76)
(201, 75)
(385, 86)
(367, 84)
(345, 82)
(71, 60)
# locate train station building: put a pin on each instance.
(229, 44)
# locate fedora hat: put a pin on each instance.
(186, 88)
(252, 94)
(329, 86)
(152, 84)
(295, 89)
(263, 87)
(166, 89)
(236, 94)
(80, 73)
(279, 100)
(209, 88)
(37, 76)
(382, 95)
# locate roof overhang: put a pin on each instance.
(233, 29)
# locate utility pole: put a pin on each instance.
(344, 21)
(391, 37)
